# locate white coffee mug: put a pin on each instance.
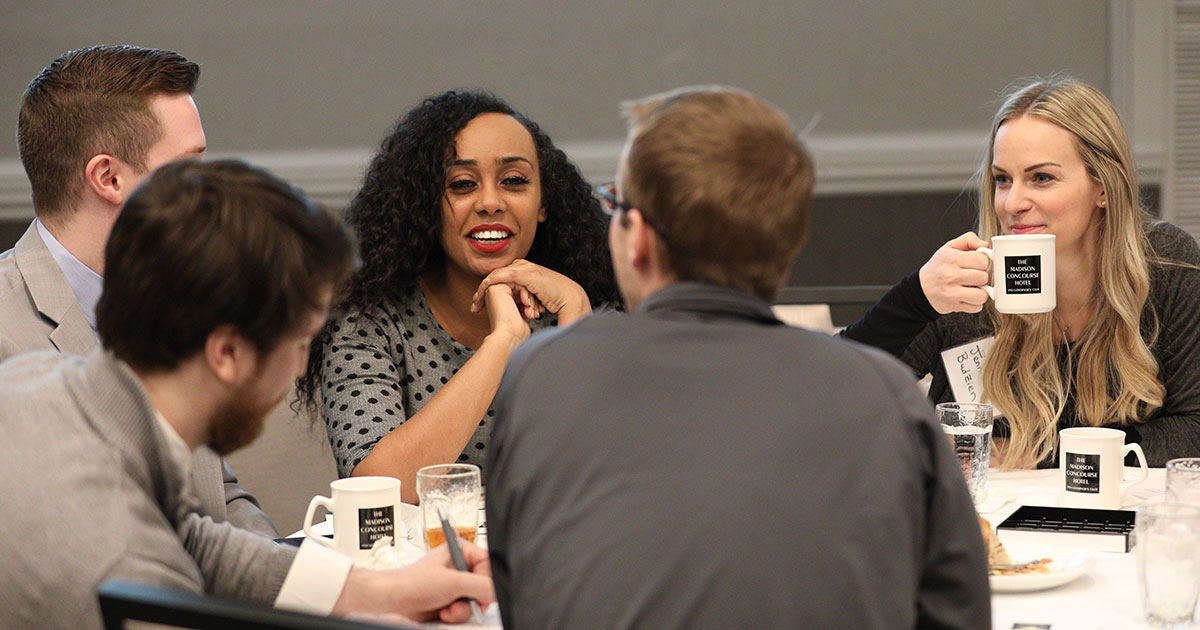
(1091, 463)
(1022, 273)
(364, 510)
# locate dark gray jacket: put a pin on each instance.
(697, 464)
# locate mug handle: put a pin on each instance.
(312, 508)
(989, 289)
(1136, 449)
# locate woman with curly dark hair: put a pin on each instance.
(473, 227)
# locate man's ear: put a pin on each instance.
(229, 356)
(643, 241)
(109, 178)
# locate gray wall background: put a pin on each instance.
(318, 75)
(905, 90)
(297, 79)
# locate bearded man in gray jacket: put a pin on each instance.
(218, 277)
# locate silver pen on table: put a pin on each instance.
(460, 563)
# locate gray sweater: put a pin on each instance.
(383, 364)
(90, 494)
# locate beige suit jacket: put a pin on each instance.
(38, 311)
(116, 507)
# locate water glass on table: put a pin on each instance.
(454, 490)
(1183, 480)
(1167, 544)
(968, 426)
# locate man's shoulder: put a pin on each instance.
(10, 274)
(598, 328)
(22, 328)
(13, 285)
(28, 373)
(603, 337)
(91, 485)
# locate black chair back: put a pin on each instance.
(123, 602)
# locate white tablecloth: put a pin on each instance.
(1107, 598)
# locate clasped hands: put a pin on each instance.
(523, 290)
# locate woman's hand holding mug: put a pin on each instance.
(953, 276)
(1023, 274)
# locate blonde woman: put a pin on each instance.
(1122, 348)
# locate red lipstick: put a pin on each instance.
(490, 238)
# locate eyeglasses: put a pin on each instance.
(608, 195)
(612, 205)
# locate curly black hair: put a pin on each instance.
(397, 214)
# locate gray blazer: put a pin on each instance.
(38, 311)
(90, 494)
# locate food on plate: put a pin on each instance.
(995, 549)
(1036, 566)
(998, 561)
(385, 555)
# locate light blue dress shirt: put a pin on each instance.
(85, 283)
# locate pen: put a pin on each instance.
(460, 563)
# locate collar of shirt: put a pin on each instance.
(178, 452)
(697, 300)
(85, 283)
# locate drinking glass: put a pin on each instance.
(968, 426)
(1167, 539)
(1183, 480)
(454, 490)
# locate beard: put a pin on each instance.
(239, 421)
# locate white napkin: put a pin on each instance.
(992, 501)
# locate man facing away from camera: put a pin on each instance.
(695, 463)
(94, 124)
(218, 276)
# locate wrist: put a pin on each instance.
(502, 340)
(576, 306)
(920, 294)
(355, 592)
(572, 312)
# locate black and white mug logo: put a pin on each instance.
(1022, 274)
(1083, 473)
(375, 523)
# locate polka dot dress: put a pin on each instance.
(384, 364)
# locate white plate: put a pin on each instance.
(1063, 573)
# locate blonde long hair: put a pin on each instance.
(1111, 369)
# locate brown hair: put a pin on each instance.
(202, 245)
(723, 177)
(92, 101)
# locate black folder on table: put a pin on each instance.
(1098, 530)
